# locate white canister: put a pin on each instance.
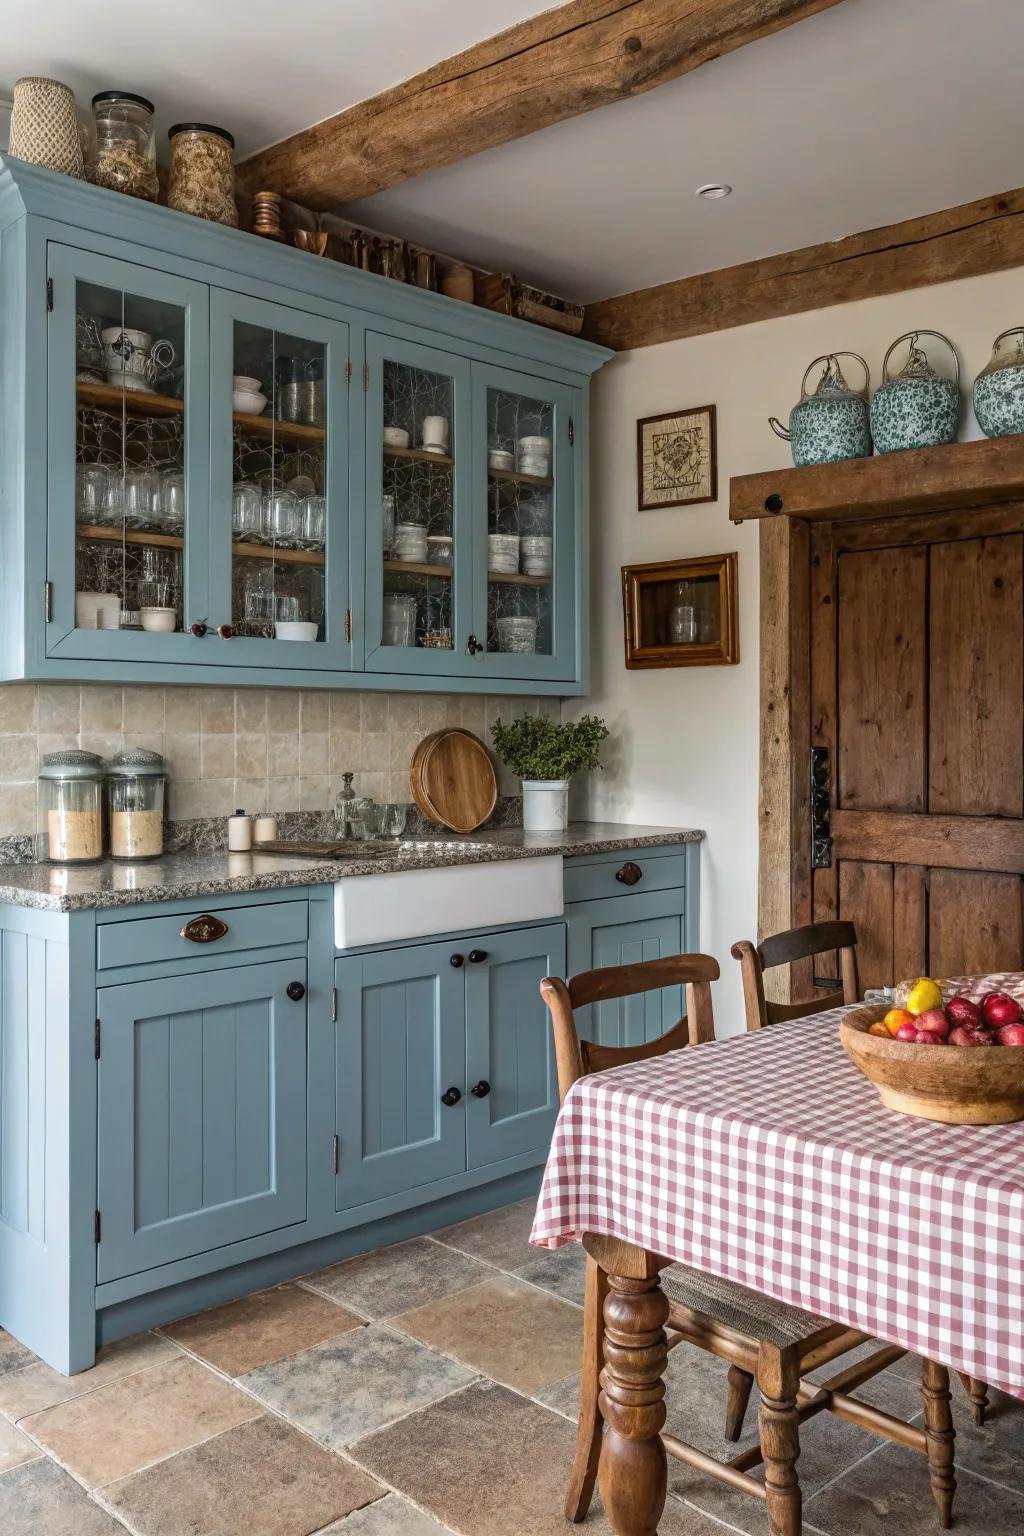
(265, 829)
(435, 433)
(545, 805)
(503, 553)
(533, 456)
(410, 546)
(517, 634)
(239, 832)
(535, 554)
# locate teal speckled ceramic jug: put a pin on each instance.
(832, 422)
(999, 387)
(918, 408)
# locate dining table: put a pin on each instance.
(768, 1159)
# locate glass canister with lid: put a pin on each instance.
(125, 156)
(136, 790)
(71, 784)
(202, 174)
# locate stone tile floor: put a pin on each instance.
(424, 1388)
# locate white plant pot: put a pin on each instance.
(545, 805)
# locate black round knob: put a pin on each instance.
(296, 991)
(629, 874)
(481, 1089)
(477, 956)
(773, 503)
(451, 1096)
(473, 645)
(457, 960)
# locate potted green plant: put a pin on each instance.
(545, 755)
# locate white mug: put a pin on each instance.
(435, 431)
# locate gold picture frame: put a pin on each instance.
(682, 613)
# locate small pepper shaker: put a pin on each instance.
(239, 832)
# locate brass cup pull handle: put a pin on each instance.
(204, 929)
(629, 874)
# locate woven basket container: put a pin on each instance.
(44, 125)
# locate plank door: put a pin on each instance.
(202, 1113)
(626, 930)
(917, 690)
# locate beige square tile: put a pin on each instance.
(468, 711)
(313, 758)
(217, 706)
(251, 710)
(19, 759)
(345, 755)
(344, 711)
(283, 710)
(404, 712)
(374, 753)
(315, 713)
(15, 1448)
(375, 785)
(28, 1388)
(399, 791)
(218, 757)
(60, 710)
(138, 1420)
(433, 712)
(373, 712)
(888, 1495)
(251, 795)
(102, 708)
(144, 713)
(500, 1237)
(283, 754)
(390, 1280)
(261, 1479)
(400, 751)
(284, 794)
(182, 711)
(251, 756)
(185, 799)
(18, 807)
(38, 1499)
(183, 756)
(19, 708)
(509, 1331)
(258, 1329)
(315, 794)
(103, 743)
(14, 1354)
(214, 797)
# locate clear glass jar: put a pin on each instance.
(136, 791)
(125, 157)
(202, 173)
(71, 787)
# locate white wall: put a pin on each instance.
(685, 740)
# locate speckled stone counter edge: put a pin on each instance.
(191, 874)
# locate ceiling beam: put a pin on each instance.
(984, 236)
(558, 65)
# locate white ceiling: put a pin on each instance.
(866, 114)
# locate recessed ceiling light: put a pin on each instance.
(714, 189)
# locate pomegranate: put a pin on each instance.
(1010, 1034)
(963, 1035)
(933, 1022)
(999, 1008)
(962, 1011)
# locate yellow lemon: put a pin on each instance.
(924, 994)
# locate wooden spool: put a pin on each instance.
(452, 779)
(957, 1084)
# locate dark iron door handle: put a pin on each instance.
(296, 991)
(477, 956)
(481, 1089)
(451, 1097)
(457, 960)
(629, 874)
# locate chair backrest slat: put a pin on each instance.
(784, 949)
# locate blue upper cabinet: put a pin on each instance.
(264, 466)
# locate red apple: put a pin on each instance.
(962, 1035)
(1010, 1034)
(908, 1033)
(929, 1037)
(934, 1022)
(962, 1011)
(999, 1008)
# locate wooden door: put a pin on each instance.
(202, 1113)
(512, 1083)
(917, 690)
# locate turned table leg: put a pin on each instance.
(977, 1391)
(939, 1435)
(633, 1471)
(778, 1376)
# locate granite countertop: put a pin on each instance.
(192, 874)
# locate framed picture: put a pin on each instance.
(681, 613)
(676, 464)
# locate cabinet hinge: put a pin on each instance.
(334, 1005)
(96, 1041)
(98, 1229)
(572, 432)
(49, 295)
(348, 370)
(336, 1154)
(366, 377)
(348, 623)
(48, 602)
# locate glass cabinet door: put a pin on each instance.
(524, 545)
(418, 468)
(279, 487)
(128, 458)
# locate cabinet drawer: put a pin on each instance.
(591, 882)
(152, 939)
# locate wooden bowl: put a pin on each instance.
(957, 1084)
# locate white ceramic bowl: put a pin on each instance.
(396, 437)
(248, 385)
(159, 621)
(500, 458)
(248, 402)
(295, 629)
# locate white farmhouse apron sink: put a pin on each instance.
(415, 903)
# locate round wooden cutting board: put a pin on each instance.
(453, 780)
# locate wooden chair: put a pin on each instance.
(758, 1336)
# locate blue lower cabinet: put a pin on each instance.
(202, 1113)
(401, 1046)
(625, 931)
(512, 1084)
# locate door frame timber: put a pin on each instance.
(796, 566)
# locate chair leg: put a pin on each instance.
(591, 1422)
(740, 1384)
(977, 1391)
(939, 1434)
(778, 1376)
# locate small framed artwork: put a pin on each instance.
(681, 613)
(676, 464)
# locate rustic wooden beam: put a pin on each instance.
(979, 237)
(558, 65)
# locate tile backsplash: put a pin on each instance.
(260, 748)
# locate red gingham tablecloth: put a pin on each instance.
(768, 1158)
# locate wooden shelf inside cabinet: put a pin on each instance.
(513, 476)
(139, 402)
(421, 455)
(407, 568)
(175, 541)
